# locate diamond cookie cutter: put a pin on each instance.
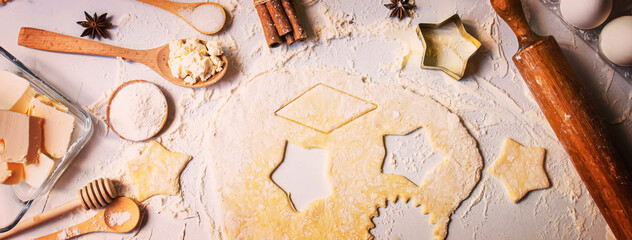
(447, 46)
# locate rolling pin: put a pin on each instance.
(573, 118)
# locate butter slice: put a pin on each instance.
(51, 102)
(15, 92)
(36, 174)
(5, 172)
(11, 173)
(22, 137)
(58, 126)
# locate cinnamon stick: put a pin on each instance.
(297, 28)
(269, 30)
(289, 39)
(279, 17)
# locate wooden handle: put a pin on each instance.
(511, 12)
(96, 194)
(574, 120)
(87, 226)
(583, 134)
(43, 217)
(50, 41)
(164, 4)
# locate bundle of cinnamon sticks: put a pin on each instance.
(279, 22)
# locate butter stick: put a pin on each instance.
(15, 92)
(22, 137)
(57, 128)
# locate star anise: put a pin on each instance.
(96, 26)
(400, 8)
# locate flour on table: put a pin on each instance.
(465, 99)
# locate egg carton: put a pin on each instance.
(591, 36)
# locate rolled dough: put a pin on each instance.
(249, 141)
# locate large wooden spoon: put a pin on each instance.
(156, 58)
(120, 216)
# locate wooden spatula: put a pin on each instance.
(574, 119)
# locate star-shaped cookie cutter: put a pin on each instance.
(428, 62)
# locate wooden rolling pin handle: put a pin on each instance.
(511, 12)
(574, 120)
(581, 131)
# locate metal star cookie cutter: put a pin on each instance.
(430, 36)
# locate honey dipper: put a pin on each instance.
(97, 194)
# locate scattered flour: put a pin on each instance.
(68, 233)
(118, 218)
(332, 27)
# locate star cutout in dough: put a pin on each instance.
(520, 169)
(156, 171)
(303, 175)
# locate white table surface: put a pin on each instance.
(564, 211)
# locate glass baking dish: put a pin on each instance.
(15, 200)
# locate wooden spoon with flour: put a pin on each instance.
(205, 17)
(156, 59)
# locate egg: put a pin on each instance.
(585, 14)
(615, 41)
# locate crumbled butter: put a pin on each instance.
(194, 61)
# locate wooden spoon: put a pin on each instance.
(156, 58)
(106, 220)
(178, 8)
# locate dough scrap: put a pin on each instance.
(520, 169)
(156, 171)
(249, 141)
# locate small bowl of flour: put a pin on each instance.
(137, 110)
